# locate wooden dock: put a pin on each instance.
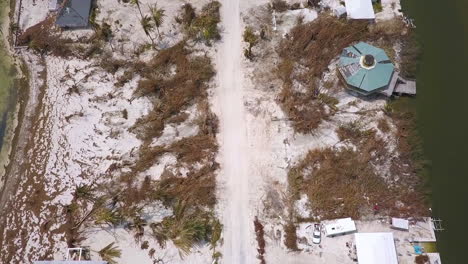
(400, 86)
(404, 86)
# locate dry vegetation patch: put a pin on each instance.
(171, 92)
(290, 236)
(345, 174)
(174, 80)
(352, 176)
(45, 38)
(260, 236)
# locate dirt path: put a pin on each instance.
(233, 136)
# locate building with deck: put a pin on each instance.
(367, 70)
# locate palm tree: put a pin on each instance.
(158, 15)
(108, 216)
(109, 253)
(137, 3)
(145, 20)
(147, 25)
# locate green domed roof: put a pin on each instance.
(366, 67)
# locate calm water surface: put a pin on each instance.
(442, 106)
(6, 78)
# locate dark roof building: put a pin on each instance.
(74, 13)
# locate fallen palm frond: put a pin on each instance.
(186, 227)
(109, 253)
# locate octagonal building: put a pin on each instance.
(365, 68)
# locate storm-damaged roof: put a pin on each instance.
(74, 14)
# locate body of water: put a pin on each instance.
(7, 74)
(442, 107)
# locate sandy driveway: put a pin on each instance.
(233, 135)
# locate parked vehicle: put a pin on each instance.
(317, 235)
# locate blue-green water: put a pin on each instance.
(442, 106)
(6, 78)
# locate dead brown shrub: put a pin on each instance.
(421, 259)
(383, 125)
(45, 38)
(111, 64)
(279, 5)
(179, 118)
(260, 235)
(196, 189)
(345, 174)
(354, 132)
(174, 91)
(343, 183)
(194, 149)
(290, 240)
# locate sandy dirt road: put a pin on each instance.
(233, 135)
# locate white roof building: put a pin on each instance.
(74, 256)
(340, 227)
(400, 223)
(375, 248)
(360, 9)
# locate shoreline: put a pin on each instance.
(15, 111)
(11, 111)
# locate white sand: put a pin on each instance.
(234, 175)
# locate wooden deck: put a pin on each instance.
(400, 86)
(404, 86)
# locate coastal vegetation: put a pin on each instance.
(250, 38)
(109, 253)
(175, 80)
(203, 26)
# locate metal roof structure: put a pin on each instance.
(400, 223)
(340, 227)
(360, 9)
(365, 68)
(74, 256)
(74, 13)
(375, 248)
